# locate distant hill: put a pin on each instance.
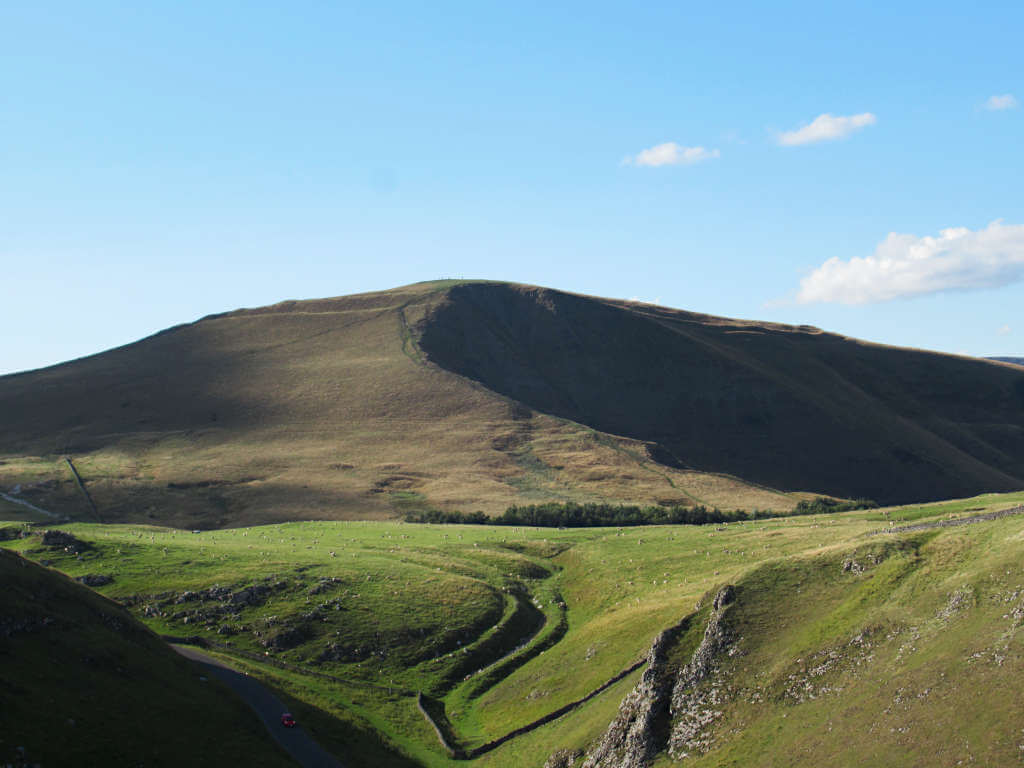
(1014, 360)
(86, 684)
(477, 395)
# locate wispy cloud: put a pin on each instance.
(1004, 330)
(826, 127)
(671, 153)
(902, 265)
(999, 103)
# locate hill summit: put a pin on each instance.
(478, 395)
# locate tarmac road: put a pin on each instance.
(296, 741)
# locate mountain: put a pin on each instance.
(1014, 360)
(477, 395)
(790, 407)
(86, 684)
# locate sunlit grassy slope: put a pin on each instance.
(84, 684)
(474, 396)
(913, 657)
(312, 410)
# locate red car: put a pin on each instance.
(287, 720)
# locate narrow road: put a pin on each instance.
(296, 741)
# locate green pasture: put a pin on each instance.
(500, 626)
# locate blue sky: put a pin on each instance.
(163, 161)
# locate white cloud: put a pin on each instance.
(905, 265)
(1004, 330)
(999, 103)
(671, 153)
(827, 127)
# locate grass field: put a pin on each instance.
(500, 626)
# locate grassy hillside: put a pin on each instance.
(500, 627)
(318, 409)
(85, 684)
(788, 407)
(903, 650)
(474, 396)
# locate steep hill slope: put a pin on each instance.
(790, 407)
(316, 409)
(479, 395)
(85, 684)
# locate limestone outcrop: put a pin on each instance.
(663, 700)
(694, 707)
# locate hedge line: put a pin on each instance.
(573, 515)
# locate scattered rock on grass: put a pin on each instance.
(285, 638)
(563, 758)
(95, 579)
(958, 601)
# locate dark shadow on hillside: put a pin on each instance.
(791, 408)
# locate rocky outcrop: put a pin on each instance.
(62, 540)
(637, 733)
(95, 579)
(694, 707)
(563, 758)
(325, 584)
(343, 652)
(285, 638)
(254, 595)
(629, 741)
(959, 601)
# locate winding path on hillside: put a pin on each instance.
(296, 741)
(29, 505)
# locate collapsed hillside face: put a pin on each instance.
(789, 407)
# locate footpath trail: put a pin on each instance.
(296, 741)
(23, 503)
